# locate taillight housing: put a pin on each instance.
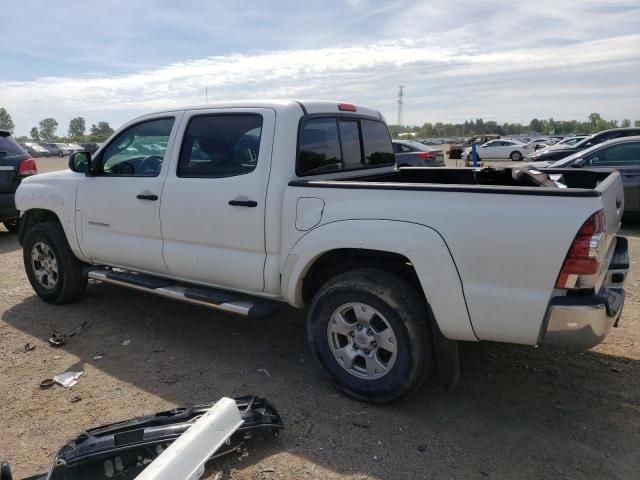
(27, 167)
(347, 107)
(427, 155)
(584, 259)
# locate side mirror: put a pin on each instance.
(578, 163)
(80, 162)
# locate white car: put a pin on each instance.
(252, 205)
(502, 148)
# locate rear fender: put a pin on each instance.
(422, 245)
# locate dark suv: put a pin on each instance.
(552, 155)
(15, 164)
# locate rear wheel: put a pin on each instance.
(61, 153)
(12, 225)
(370, 332)
(53, 270)
(515, 156)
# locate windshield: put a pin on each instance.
(567, 161)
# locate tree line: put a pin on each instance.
(595, 123)
(46, 130)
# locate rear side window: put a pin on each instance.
(9, 147)
(220, 146)
(331, 144)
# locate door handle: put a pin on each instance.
(243, 203)
(147, 196)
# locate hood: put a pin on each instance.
(57, 175)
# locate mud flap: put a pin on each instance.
(447, 359)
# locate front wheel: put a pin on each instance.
(370, 331)
(12, 225)
(516, 156)
(54, 272)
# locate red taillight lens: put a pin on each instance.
(27, 167)
(585, 254)
(346, 107)
(427, 155)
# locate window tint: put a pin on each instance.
(9, 147)
(320, 149)
(320, 146)
(377, 143)
(139, 150)
(622, 155)
(350, 138)
(220, 146)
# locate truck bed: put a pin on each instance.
(581, 183)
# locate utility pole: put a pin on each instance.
(206, 92)
(400, 102)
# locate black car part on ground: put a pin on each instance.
(121, 451)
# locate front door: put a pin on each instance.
(118, 209)
(213, 201)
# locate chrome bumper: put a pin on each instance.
(581, 322)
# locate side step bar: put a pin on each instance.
(225, 301)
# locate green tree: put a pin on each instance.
(48, 128)
(594, 118)
(626, 123)
(101, 131)
(6, 122)
(77, 127)
(636, 123)
(35, 134)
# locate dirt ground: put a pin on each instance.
(518, 412)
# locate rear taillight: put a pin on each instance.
(427, 155)
(347, 107)
(584, 259)
(27, 167)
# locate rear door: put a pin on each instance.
(11, 153)
(213, 201)
(624, 157)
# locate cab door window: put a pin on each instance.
(139, 150)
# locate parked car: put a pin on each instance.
(502, 148)
(76, 147)
(57, 149)
(15, 165)
(90, 147)
(305, 206)
(623, 154)
(416, 154)
(35, 150)
(551, 155)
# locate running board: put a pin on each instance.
(225, 301)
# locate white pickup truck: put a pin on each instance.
(245, 206)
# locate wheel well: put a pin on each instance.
(31, 217)
(335, 262)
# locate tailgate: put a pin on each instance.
(612, 195)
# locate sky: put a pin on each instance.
(491, 59)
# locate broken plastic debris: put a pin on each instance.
(126, 343)
(264, 370)
(67, 379)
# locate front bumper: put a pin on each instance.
(581, 322)
(8, 209)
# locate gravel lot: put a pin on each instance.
(518, 412)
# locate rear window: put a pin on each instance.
(9, 147)
(332, 144)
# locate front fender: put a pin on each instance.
(54, 196)
(422, 245)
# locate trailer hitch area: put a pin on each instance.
(123, 450)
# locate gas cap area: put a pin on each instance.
(308, 212)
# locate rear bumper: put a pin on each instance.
(581, 322)
(8, 209)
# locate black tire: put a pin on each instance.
(515, 156)
(61, 153)
(12, 225)
(70, 281)
(406, 313)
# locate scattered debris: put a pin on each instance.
(268, 470)
(264, 370)
(360, 425)
(59, 339)
(422, 448)
(99, 356)
(126, 343)
(183, 439)
(27, 347)
(76, 399)
(67, 379)
(614, 369)
(47, 383)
